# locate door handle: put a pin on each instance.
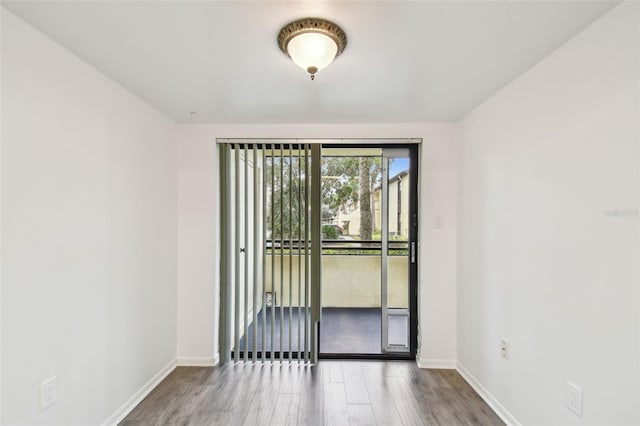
(413, 252)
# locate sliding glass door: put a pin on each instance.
(398, 250)
(368, 252)
(318, 251)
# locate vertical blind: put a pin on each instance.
(270, 252)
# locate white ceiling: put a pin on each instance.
(406, 61)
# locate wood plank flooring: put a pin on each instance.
(330, 393)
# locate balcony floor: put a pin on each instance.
(350, 330)
(342, 330)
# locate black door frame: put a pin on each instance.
(414, 149)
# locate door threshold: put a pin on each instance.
(382, 357)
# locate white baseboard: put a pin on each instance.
(128, 406)
(491, 400)
(439, 363)
(199, 361)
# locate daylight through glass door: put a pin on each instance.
(367, 227)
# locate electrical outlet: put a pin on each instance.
(504, 349)
(48, 392)
(574, 399)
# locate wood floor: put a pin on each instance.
(330, 393)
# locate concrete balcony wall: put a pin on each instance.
(348, 281)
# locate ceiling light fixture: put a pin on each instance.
(312, 43)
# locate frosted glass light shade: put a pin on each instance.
(312, 51)
(312, 43)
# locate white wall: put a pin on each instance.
(198, 235)
(198, 241)
(548, 232)
(88, 235)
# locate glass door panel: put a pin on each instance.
(367, 252)
(395, 251)
(351, 247)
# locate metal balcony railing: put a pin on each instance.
(338, 247)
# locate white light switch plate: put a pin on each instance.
(574, 399)
(48, 392)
